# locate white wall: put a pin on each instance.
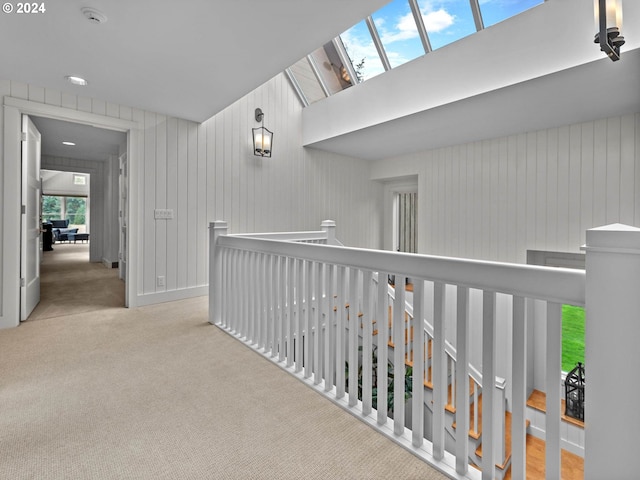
(61, 183)
(495, 199)
(206, 172)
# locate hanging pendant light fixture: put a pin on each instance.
(608, 17)
(262, 137)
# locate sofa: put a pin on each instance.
(61, 230)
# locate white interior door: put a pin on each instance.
(123, 207)
(31, 221)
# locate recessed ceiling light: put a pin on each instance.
(76, 80)
(69, 143)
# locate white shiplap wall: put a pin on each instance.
(495, 199)
(207, 172)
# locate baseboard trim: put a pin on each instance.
(171, 295)
(109, 264)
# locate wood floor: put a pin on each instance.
(572, 466)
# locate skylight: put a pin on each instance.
(494, 11)
(399, 32)
(447, 20)
(362, 51)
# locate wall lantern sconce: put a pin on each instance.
(262, 138)
(574, 393)
(608, 17)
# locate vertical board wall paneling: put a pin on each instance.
(182, 204)
(495, 199)
(202, 234)
(600, 172)
(575, 185)
(587, 190)
(627, 169)
(190, 238)
(551, 198)
(541, 189)
(148, 198)
(613, 146)
(161, 226)
(564, 185)
(172, 236)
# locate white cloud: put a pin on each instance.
(405, 29)
(437, 20)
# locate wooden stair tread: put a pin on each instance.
(507, 442)
(538, 401)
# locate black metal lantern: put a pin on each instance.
(574, 393)
(608, 16)
(262, 137)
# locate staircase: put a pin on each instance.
(475, 391)
(572, 465)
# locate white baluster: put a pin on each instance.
(462, 392)
(554, 371)
(419, 355)
(488, 375)
(439, 371)
(317, 323)
(299, 314)
(282, 301)
(340, 330)
(330, 330)
(519, 391)
(353, 337)
(291, 317)
(398, 356)
(307, 319)
(367, 341)
(382, 315)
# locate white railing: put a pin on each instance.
(287, 299)
(475, 377)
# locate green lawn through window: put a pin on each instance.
(572, 337)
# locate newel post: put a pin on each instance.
(612, 353)
(329, 226)
(216, 229)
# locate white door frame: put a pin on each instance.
(10, 178)
(391, 188)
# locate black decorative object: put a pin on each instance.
(574, 393)
(262, 137)
(608, 16)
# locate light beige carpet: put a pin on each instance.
(70, 284)
(158, 393)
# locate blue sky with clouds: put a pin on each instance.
(445, 20)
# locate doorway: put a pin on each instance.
(401, 226)
(80, 205)
(14, 108)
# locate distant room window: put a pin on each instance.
(79, 179)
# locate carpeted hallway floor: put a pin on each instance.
(104, 392)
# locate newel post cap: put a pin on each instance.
(218, 224)
(613, 238)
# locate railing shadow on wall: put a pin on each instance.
(312, 306)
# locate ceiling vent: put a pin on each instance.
(94, 16)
